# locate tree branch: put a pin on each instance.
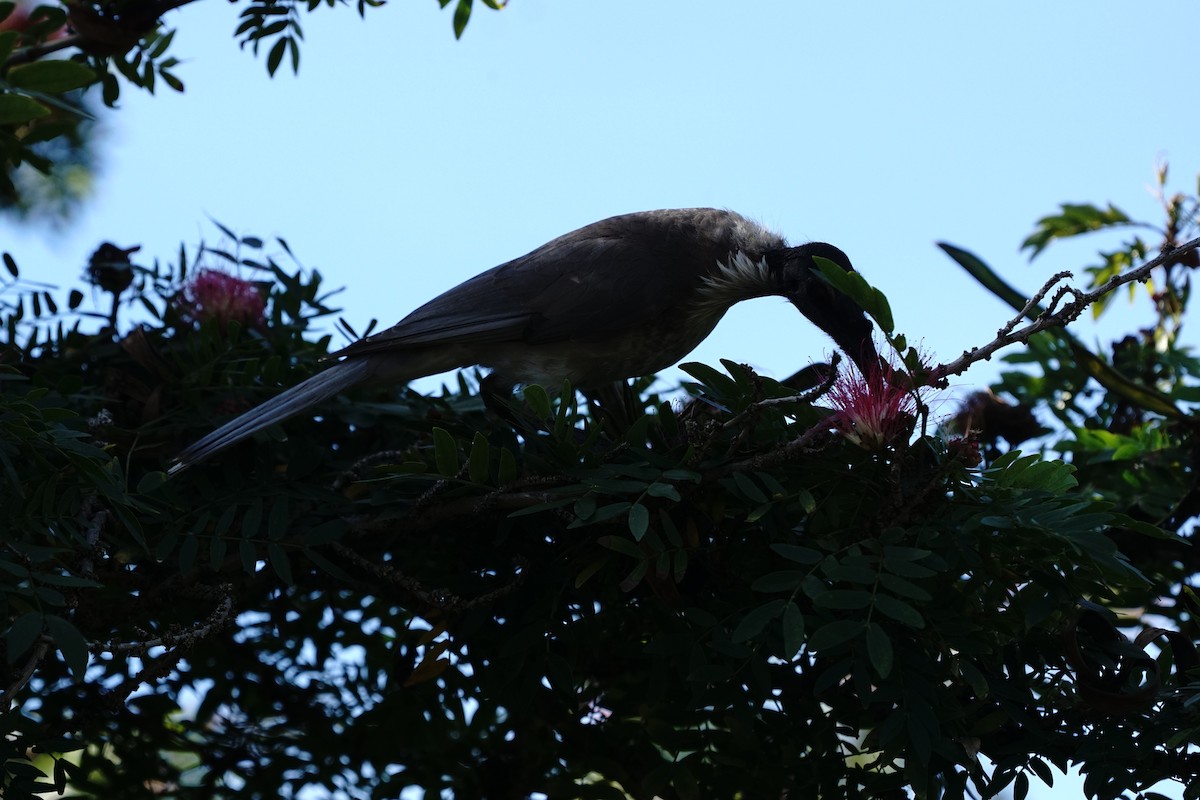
(26, 674)
(215, 621)
(101, 33)
(36, 51)
(1049, 318)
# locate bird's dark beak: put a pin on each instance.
(837, 315)
(846, 324)
(863, 354)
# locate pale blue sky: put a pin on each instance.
(401, 162)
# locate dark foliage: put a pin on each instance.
(742, 595)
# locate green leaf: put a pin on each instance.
(248, 556)
(170, 80)
(793, 630)
(679, 564)
(900, 586)
(8, 39)
(833, 634)
(70, 643)
(588, 571)
(331, 530)
(160, 44)
(781, 581)
(187, 553)
(278, 520)
(223, 522)
(445, 452)
(1021, 787)
(844, 599)
(22, 633)
(1073, 219)
(1043, 771)
(60, 579)
(538, 401)
(749, 489)
(855, 286)
(151, 481)
(879, 650)
(621, 545)
(462, 13)
(630, 581)
(801, 555)
(893, 552)
(540, 507)
(639, 521)
(974, 678)
(166, 546)
(722, 385)
(252, 520)
(276, 55)
(605, 513)
(585, 507)
(615, 486)
(16, 108)
(899, 611)
(479, 460)
(753, 623)
(908, 569)
(217, 548)
(52, 76)
(759, 512)
(664, 490)
(508, 471)
(279, 562)
(682, 475)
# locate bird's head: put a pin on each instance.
(826, 307)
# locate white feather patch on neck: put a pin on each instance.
(739, 278)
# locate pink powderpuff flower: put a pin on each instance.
(873, 410)
(215, 295)
(20, 19)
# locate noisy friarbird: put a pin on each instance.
(620, 298)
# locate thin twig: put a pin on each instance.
(441, 599)
(96, 520)
(34, 52)
(434, 514)
(780, 455)
(354, 472)
(804, 397)
(1033, 301)
(26, 674)
(215, 621)
(1069, 313)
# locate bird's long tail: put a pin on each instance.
(319, 387)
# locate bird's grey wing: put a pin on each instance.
(471, 312)
(585, 285)
(613, 284)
